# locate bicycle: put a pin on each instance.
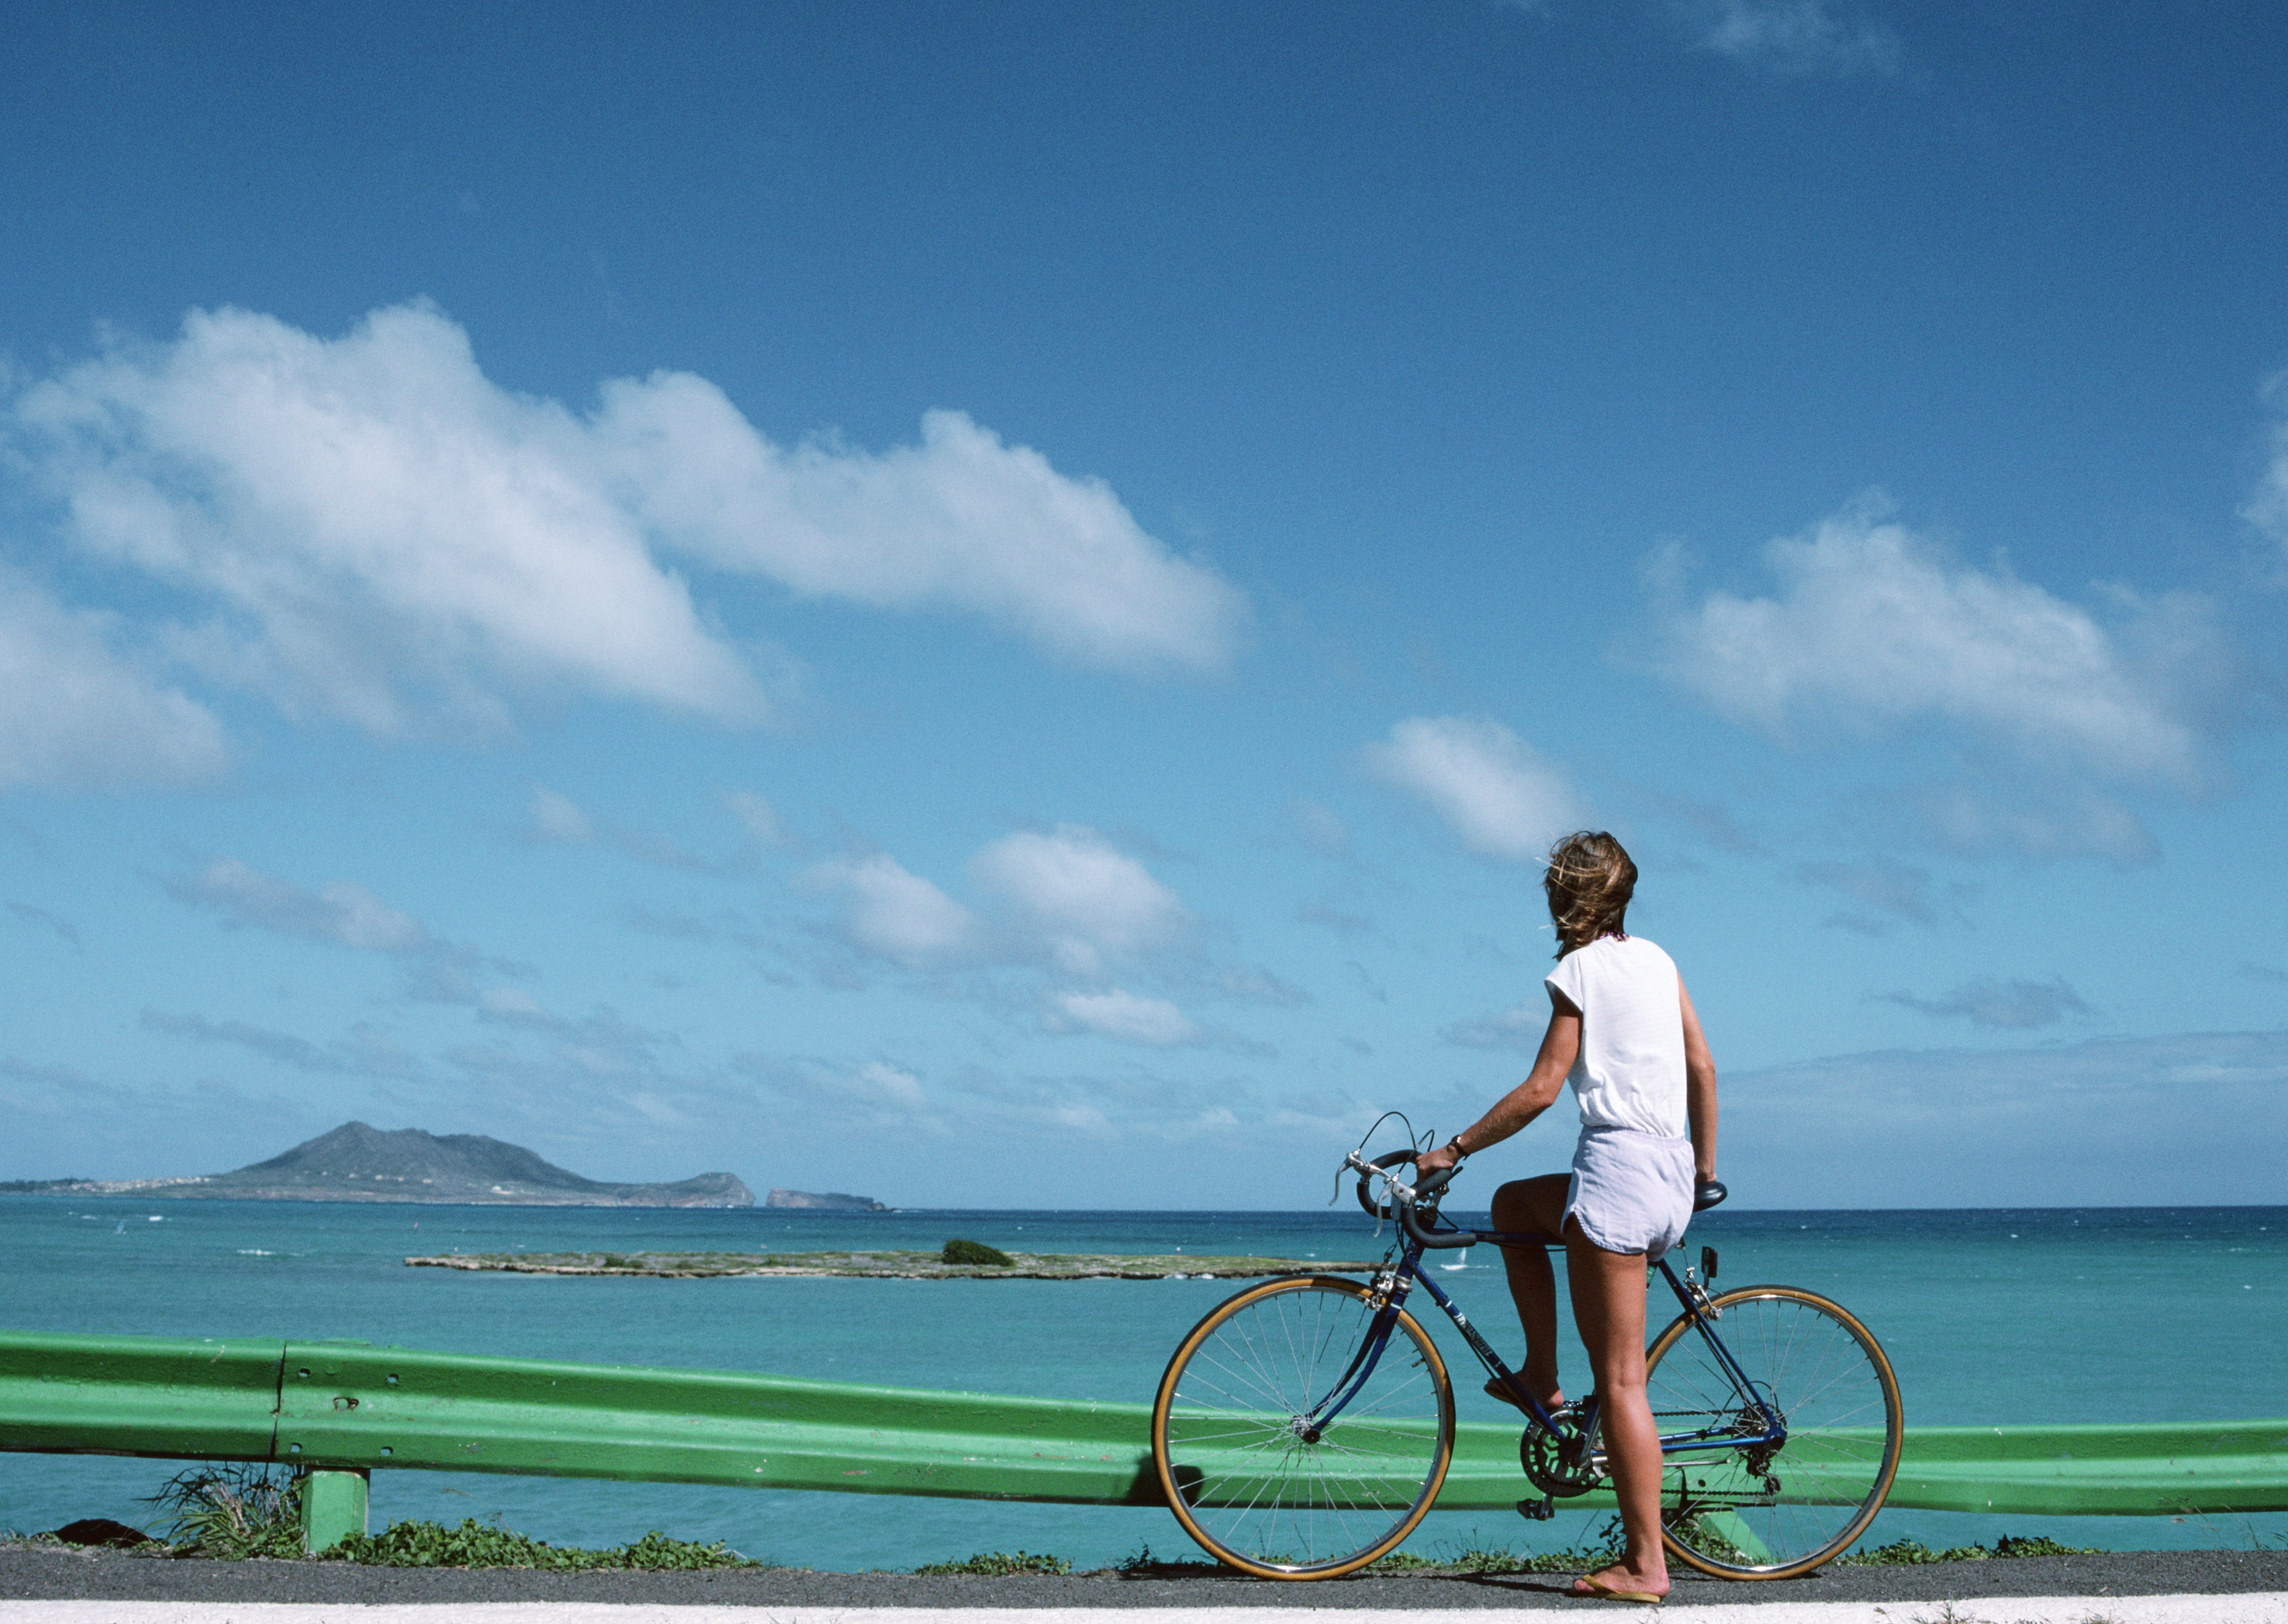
(1303, 1428)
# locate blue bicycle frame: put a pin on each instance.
(1572, 1433)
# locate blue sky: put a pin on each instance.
(991, 606)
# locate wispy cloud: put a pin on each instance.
(1496, 795)
(554, 819)
(2266, 507)
(2051, 710)
(1874, 630)
(47, 921)
(339, 912)
(758, 817)
(365, 1053)
(1790, 37)
(1520, 1027)
(1900, 890)
(2034, 820)
(2010, 1006)
(2038, 1126)
(1122, 1016)
(1318, 829)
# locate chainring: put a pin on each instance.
(1542, 1454)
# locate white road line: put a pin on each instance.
(2262, 1607)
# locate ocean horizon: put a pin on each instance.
(1990, 1316)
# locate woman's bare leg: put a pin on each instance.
(1609, 1306)
(1534, 1207)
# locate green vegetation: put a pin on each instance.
(975, 1253)
(1914, 1553)
(999, 1564)
(233, 1512)
(474, 1545)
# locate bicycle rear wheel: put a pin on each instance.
(1253, 1466)
(1760, 1511)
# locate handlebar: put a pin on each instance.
(1413, 1200)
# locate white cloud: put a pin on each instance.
(340, 912)
(1790, 37)
(368, 529)
(2268, 508)
(757, 817)
(889, 1085)
(72, 712)
(1871, 629)
(961, 520)
(1123, 1016)
(898, 915)
(1501, 798)
(558, 820)
(1085, 899)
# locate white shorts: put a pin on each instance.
(1632, 1190)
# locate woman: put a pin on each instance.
(1623, 1031)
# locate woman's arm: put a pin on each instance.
(1560, 1046)
(1699, 1090)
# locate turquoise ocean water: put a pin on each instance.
(2146, 1313)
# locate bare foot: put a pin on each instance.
(1624, 1583)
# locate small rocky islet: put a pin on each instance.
(892, 1266)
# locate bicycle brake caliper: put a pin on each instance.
(1698, 1290)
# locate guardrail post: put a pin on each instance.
(333, 1509)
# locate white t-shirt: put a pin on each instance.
(1630, 1071)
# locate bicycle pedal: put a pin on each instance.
(1537, 1510)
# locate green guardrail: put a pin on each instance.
(342, 1410)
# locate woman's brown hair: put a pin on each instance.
(1589, 883)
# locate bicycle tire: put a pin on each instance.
(1749, 1514)
(1242, 1469)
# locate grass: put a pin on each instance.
(999, 1564)
(1914, 1553)
(474, 1545)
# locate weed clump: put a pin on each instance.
(233, 1512)
(995, 1563)
(975, 1253)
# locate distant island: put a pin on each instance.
(831, 1201)
(356, 1163)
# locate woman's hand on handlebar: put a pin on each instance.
(1436, 1161)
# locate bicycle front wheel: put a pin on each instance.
(1262, 1459)
(1755, 1510)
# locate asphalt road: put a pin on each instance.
(34, 1574)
